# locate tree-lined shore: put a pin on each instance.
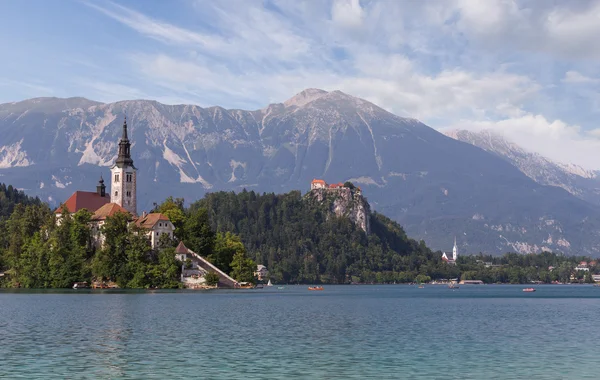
(296, 237)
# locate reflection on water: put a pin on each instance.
(343, 332)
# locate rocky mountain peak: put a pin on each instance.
(304, 97)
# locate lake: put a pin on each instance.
(343, 332)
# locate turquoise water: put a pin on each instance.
(343, 332)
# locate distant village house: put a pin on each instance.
(261, 272)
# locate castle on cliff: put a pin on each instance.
(346, 200)
(320, 184)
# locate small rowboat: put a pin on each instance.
(529, 290)
(315, 288)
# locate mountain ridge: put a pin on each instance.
(583, 183)
(435, 186)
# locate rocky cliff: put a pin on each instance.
(345, 202)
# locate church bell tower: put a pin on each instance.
(455, 251)
(123, 186)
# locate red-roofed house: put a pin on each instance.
(318, 184)
(89, 200)
(157, 224)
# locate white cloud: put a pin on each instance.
(500, 64)
(551, 138)
(347, 13)
(576, 77)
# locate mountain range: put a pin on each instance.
(436, 186)
(578, 181)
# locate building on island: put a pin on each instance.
(452, 260)
(121, 198)
(261, 272)
(156, 224)
(98, 219)
(89, 200)
(123, 186)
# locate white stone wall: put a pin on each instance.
(161, 227)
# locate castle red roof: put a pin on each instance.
(318, 181)
(107, 210)
(89, 200)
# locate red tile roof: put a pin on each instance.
(318, 181)
(107, 210)
(89, 200)
(150, 220)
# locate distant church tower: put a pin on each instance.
(454, 251)
(123, 187)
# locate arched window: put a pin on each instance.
(116, 193)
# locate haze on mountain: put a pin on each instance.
(435, 186)
(582, 183)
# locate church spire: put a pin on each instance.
(124, 157)
(454, 250)
(124, 136)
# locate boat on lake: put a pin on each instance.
(281, 287)
(246, 285)
(269, 283)
(453, 286)
(529, 290)
(81, 285)
(315, 288)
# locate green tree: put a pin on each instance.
(226, 246)
(199, 236)
(108, 262)
(421, 278)
(212, 278)
(174, 210)
(133, 274)
(349, 185)
(242, 267)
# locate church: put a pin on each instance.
(121, 198)
(454, 255)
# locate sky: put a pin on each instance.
(528, 70)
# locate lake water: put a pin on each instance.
(343, 332)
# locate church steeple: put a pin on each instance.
(454, 250)
(124, 157)
(123, 184)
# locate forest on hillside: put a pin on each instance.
(295, 236)
(10, 196)
(301, 242)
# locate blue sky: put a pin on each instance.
(527, 69)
